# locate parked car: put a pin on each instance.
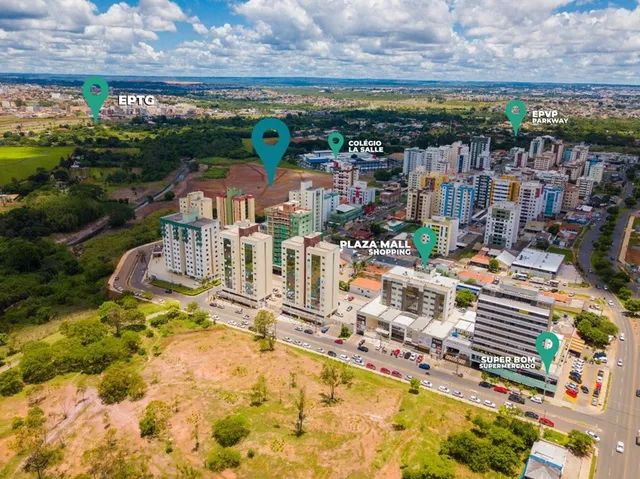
(546, 422)
(474, 399)
(308, 331)
(620, 447)
(444, 389)
(426, 384)
(287, 339)
(168, 291)
(571, 392)
(501, 389)
(385, 371)
(584, 389)
(489, 403)
(426, 367)
(371, 366)
(299, 328)
(321, 350)
(593, 435)
(364, 349)
(332, 354)
(516, 398)
(531, 414)
(485, 384)
(396, 374)
(458, 394)
(339, 341)
(345, 358)
(324, 329)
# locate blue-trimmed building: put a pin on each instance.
(552, 200)
(457, 201)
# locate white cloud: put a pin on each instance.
(426, 39)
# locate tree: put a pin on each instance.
(119, 382)
(230, 430)
(494, 265)
(112, 459)
(343, 285)
(264, 322)
(85, 330)
(300, 404)
(10, 382)
(192, 307)
(221, 458)
(31, 441)
(579, 443)
(155, 420)
(169, 195)
(464, 298)
(258, 393)
(334, 375)
(554, 229)
(345, 332)
(632, 305)
(414, 386)
(119, 318)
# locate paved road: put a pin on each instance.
(621, 419)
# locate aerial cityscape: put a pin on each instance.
(216, 265)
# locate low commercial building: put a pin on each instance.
(366, 287)
(344, 214)
(546, 461)
(537, 263)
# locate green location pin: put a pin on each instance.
(335, 140)
(95, 102)
(424, 240)
(547, 345)
(270, 154)
(515, 111)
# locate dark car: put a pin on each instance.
(364, 349)
(584, 389)
(168, 291)
(324, 329)
(332, 354)
(424, 366)
(531, 414)
(485, 384)
(308, 331)
(516, 398)
(638, 393)
(407, 355)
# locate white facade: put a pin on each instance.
(585, 186)
(501, 230)
(331, 202)
(579, 153)
(361, 194)
(530, 201)
(536, 147)
(595, 170)
(519, 156)
(413, 158)
(190, 245)
(479, 151)
(310, 277)
(196, 201)
(246, 264)
(312, 199)
(419, 205)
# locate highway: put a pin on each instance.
(622, 414)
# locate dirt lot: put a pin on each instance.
(210, 373)
(251, 179)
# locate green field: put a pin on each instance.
(21, 161)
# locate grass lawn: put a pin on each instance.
(216, 173)
(568, 254)
(222, 161)
(21, 161)
(178, 288)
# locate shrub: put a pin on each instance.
(230, 430)
(85, 330)
(120, 382)
(37, 363)
(158, 320)
(155, 419)
(10, 382)
(222, 458)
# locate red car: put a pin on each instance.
(339, 341)
(500, 389)
(571, 392)
(385, 371)
(546, 422)
(371, 366)
(396, 374)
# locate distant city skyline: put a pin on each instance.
(557, 41)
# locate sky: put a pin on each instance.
(504, 40)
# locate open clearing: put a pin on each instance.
(21, 161)
(251, 179)
(210, 373)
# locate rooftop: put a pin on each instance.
(538, 259)
(367, 283)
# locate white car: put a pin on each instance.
(508, 404)
(593, 435)
(426, 384)
(610, 302)
(536, 399)
(620, 447)
(321, 350)
(489, 403)
(298, 342)
(458, 394)
(408, 377)
(620, 362)
(306, 345)
(444, 389)
(621, 336)
(298, 328)
(345, 358)
(475, 399)
(413, 356)
(358, 361)
(216, 317)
